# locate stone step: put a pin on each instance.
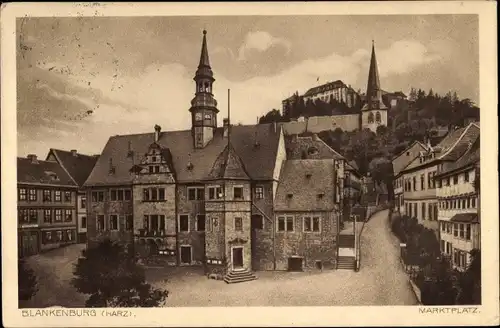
(239, 276)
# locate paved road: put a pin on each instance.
(381, 280)
(54, 271)
(380, 260)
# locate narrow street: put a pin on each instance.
(380, 261)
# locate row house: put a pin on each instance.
(46, 206)
(399, 162)
(419, 185)
(78, 167)
(460, 229)
(204, 196)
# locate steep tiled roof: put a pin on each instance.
(306, 185)
(309, 148)
(77, 165)
(470, 157)
(228, 165)
(42, 172)
(256, 145)
(452, 147)
(324, 87)
(457, 142)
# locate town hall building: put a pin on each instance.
(226, 198)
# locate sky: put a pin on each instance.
(81, 80)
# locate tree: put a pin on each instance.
(470, 282)
(272, 116)
(113, 279)
(27, 282)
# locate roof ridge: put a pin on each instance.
(62, 166)
(408, 147)
(69, 151)
(458, 140)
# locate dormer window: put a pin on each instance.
(289, 196)
(52, 176)
(308, 176)
(320, 195)
(190, 166)
(312, 150)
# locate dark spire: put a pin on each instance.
(204, 52)
(373, 90)
(204, 69)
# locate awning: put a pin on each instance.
(465, 217)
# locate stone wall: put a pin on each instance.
(107, 208)
(311, 246)
(193, 238)
(262, 246)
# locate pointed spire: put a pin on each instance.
(204, 69)
(204, 61)
(373, 90)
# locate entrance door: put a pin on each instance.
(294, 264)
(237, 258)
(186, 254)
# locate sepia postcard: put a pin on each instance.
(249, 164)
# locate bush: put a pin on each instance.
(113, 279)
(27, 282)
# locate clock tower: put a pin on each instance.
(203, 106)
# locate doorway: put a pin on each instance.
(295, 264)
(185, 254)
(237, 258)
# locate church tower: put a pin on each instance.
(374, 112)
(203, 106)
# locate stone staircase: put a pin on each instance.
(346, 263)
(233, 277)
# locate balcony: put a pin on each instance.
(152, 233)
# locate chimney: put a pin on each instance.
(157, 132)
(73, 152)
(33, 158)
(225, 124)
(111, 167)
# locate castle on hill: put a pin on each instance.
(358, 111)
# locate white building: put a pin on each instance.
(458, 205)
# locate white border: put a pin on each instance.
(488, 313)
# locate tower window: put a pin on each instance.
(378, 117)
(370, 118)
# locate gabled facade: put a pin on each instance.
(399, 163)
(419, 185)
(459, 222)
(46, 206)
(78, 167)
(307, 215)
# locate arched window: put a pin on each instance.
(370, 118)
(207, 89)
(378, 117)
